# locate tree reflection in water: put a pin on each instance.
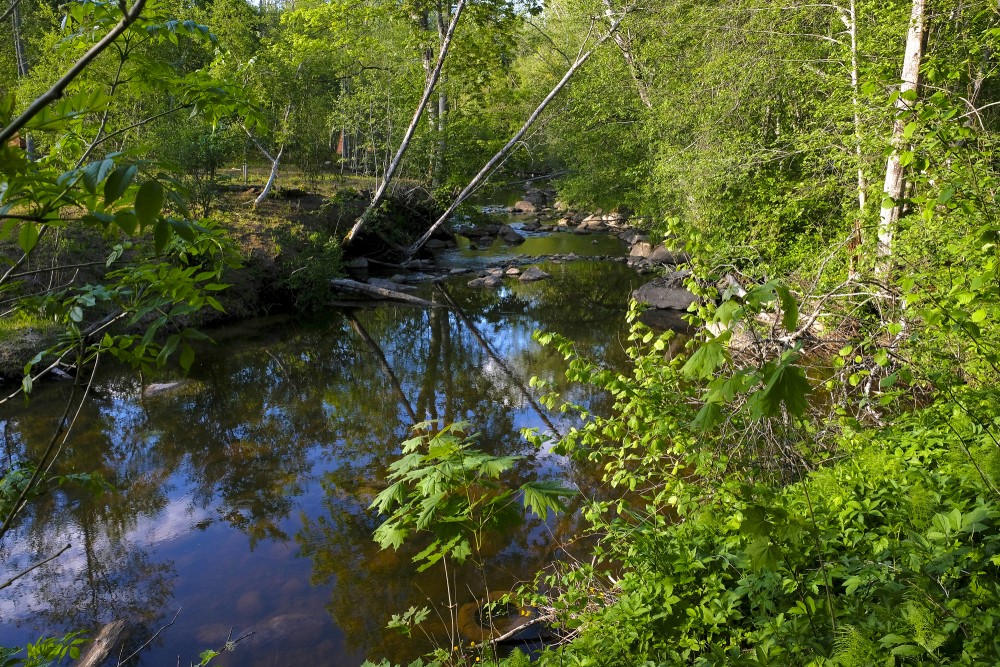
(242, 495)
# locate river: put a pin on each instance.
(241, 497)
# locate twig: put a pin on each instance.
(34, 567)
(547, 618)
(150, 640)
(65, 267)
(9, 10)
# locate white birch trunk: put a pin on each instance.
(893, 188)
(498, 158)
(394, 165)
(275, 163)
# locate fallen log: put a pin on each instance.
(107, 641)
(355, 287)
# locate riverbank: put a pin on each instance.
(288, 248)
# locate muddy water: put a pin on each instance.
(241, 496)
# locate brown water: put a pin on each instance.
(241, 498)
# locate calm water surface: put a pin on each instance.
(241, 498)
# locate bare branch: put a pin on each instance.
(59, 87)
(34, 567)
(149, 641)
(10, 10)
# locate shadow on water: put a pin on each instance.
(242, 494)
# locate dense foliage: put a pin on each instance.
(810, 479)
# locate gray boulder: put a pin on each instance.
(665, 294)
(509, 236)
(663, 255)
(532, 274)
(641, 249)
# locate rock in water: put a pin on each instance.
(532, 274)
(663, 293)
(663, 255)
(509, 236)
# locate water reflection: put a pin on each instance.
(242, 494)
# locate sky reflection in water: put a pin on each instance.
(241, 498)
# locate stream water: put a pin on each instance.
(241, 496)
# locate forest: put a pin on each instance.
(807, 474)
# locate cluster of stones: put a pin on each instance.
(494, 277)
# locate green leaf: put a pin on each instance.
(118, 183)
(708, 417)
(187, 357)
(27, 237)
(390, 535)
(95, 173)
(161, 235)
(127, 222)
(728, 311)
(56, 115)
(183, 229)
(786, 384)
(764, 554)
(704, 362)
(789, 308)
(149, 202)
(540, 497)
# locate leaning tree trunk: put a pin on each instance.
(499, 157)
(893, 188)
(275, 163)
(394, 165)
(625, 46)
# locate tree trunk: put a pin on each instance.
(275, 163)
(22, 67)
(850, 19)
(394, 165)
(625, 46)
(893, 188)
(498, 158)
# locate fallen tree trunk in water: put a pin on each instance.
(107, 641)
(353, 286)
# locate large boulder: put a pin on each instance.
(525, 206)
(593, 223)
(665, 320)
(633, 236)
(665, 293)
(536, 197)
(487, 281)
(482, 231)
(509, 236)
(617, 218)
(641, 249)
(664, 255)
(532, 274)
